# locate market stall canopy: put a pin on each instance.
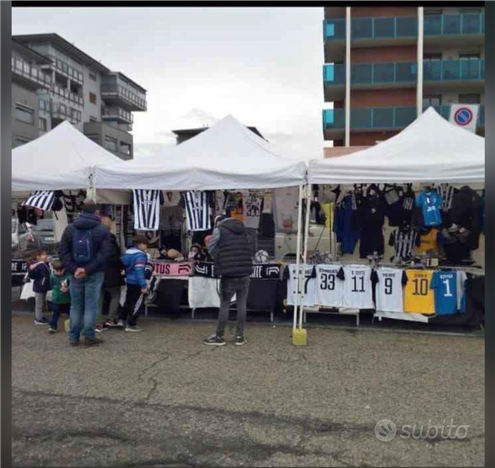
(429, 150)
(226, 156)
(61, 159)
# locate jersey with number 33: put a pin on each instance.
(330, 285)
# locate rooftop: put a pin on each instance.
(30, 53)
(196, 131)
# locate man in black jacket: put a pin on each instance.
(84, 250)
(231, 253)
(114, 278)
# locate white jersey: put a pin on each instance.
(389, 284)
(330, 285)
(358, 293)
(308, 283)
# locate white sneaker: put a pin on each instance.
(132, 329)
(121, 324)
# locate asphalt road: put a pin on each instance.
(162, 398)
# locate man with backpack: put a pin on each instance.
(84, 250)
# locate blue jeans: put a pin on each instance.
(58, 309)
(85, 298)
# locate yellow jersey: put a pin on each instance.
(429, 242)
(418, 296)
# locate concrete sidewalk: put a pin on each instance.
(162, 398)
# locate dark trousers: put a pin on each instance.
(134, 304)
(229, 287)
(58, 309)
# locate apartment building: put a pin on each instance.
(77, 88)
(385, 65)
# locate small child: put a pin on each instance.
(59, 283)
(39, 272)
(135, 261)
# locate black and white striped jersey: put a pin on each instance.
(146, 209)
(403, 241)
(446, 191)
(198, 210)
(42, 199)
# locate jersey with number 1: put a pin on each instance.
(389, 283)
(330, 285)
(308, 285)
(444, 283)
(358, 292)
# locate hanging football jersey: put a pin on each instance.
(389, 283)
(358, 293)
(330, 285)
(41, 199)
(430, 204)
(198, 210)
(252, 203)
(308, 284)
(461, 291)
(146, 205)
(418, 296)
(429, 241)
(445, 285)
(403, 241)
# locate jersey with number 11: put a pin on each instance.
(358, 293)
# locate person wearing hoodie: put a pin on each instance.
(229, 247)
(114, 279)
(84, 251)
(39, 271)
(135, 260)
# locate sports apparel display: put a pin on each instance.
(429, 241)
(198, 210)
(308, 284)
(41, 199)
(389, 283)
(171, 198)
(445, 285)
(252, 202)
(403, 241)
(343, 226)
(446, 191)
(285, 208)
(461, 291)
(430, 203)
(146, 209)
(330, 285)
(358, 292)
(418, 296)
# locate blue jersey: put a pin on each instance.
(431, 204)
(444, 283)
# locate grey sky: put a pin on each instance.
(262, 65)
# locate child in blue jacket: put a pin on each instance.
(135, 261)
(39, 271)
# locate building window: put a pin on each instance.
(93, 119)
(125, 148)
(470, 11)
(94, 138)
(44, 105)
(92, 76)
(43, 124)
(469, 56)
(19, 141)
(24, 114)
(433, 11)
(111, 144)
(92, 98)
(432, 100)
(469, 98)
(435, 56)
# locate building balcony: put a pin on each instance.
(62, 112)
(30, 76)
(401, 30)
(67, 94)
(436, 73)
(117, 114)
(379, 119)
(65, 69)
(122, 96)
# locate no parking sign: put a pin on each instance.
(465, 116)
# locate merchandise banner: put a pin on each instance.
(164, 268)
(260, 271)
(19, 267)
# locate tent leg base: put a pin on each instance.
(299, 337)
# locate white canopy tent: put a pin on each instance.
(226, 156)
(62, 159)
(428, 150)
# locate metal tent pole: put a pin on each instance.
(305, 254)
(298, 255)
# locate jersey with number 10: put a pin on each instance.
(389, 284)
(358, 293)
(418, 296)
(329, 285)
